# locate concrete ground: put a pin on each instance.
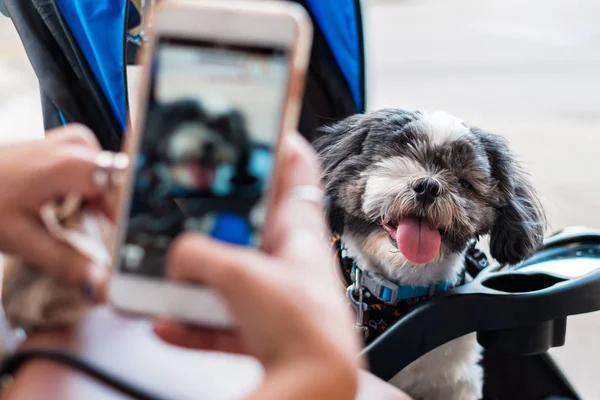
(529, 70)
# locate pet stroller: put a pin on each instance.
(79, 51)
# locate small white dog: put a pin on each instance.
(408, 191)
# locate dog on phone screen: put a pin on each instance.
(408, 191)
(190, 141)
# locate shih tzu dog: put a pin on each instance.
(408, 191)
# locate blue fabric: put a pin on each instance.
(232, 229)
(411, 292)
(338, 21)
(98, 26)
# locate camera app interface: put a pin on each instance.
(206, 150)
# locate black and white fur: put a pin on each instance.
(371, 163)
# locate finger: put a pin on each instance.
(107, 204)
(299, 167)
(286, 159)
(237, 274)
(100, 289)
(198, 338)
(224, 267)
(288, 152)
(299, 224)
(72, 170)
(254, 287)
(302, 162)
(55, 256)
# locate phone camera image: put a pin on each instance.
(206, 152)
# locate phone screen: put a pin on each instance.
(207, 144)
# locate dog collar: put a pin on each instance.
(378, 301)
(389, 291)
(383, 289)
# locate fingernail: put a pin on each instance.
(96, 276)
(120, 164)
(89, 291)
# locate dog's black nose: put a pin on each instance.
(427, 189)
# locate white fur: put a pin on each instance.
(442, 127)
(450, 372)
(390, 174)
(384, 181)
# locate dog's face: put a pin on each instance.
(410, 189)
(195, 151)
(193, 140)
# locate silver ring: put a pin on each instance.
(120, 165)
(101, 174)
(308, 193)
(110, 169)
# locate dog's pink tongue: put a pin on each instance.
(417, 241)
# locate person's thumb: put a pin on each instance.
(233, 272)
(299, 222)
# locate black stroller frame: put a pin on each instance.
(519, 312)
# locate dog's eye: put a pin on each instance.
(465, 184)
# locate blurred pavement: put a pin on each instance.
(529, 70)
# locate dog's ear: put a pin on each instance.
(346, 151)
(336, 145)
(518, 230)
(232, 124)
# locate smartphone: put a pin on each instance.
(221, 82)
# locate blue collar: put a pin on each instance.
(386, 290)
(390, 291)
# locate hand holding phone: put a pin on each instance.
(221, 81)
(262, 289)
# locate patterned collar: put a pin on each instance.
(372, 295)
